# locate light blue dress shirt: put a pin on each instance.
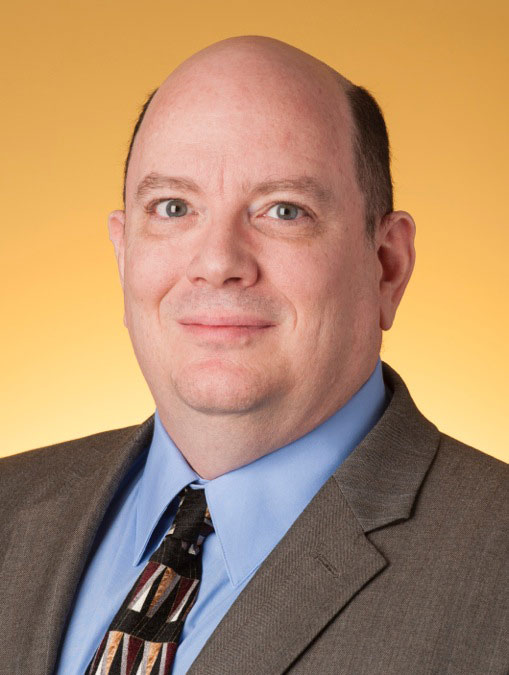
(251, 508)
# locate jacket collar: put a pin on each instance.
(382, 476)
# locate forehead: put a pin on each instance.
(249, 123)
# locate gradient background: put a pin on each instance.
(74, 76)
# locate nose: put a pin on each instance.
(222, 256)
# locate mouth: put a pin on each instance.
(221, 321)
(225, 329)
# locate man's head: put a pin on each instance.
(246, 202)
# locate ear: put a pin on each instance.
(396, 259)
(116, 228)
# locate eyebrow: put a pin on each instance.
(153, 181)
(304, 184)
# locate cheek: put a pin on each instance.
(151, 270)
(331, 290)
(314, 281)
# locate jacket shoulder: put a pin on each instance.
(27, 476)
(471, 463)
(469, 490)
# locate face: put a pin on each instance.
(249, 283)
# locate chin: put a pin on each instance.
(222, 390)
(216, 401)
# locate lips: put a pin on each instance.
(223, 321)
(221, 330)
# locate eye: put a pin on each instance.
(285, 211)
(171, 208)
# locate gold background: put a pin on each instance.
(74, 76)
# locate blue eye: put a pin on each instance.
(285, 211)
(171, 208)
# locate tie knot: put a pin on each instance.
(192, 521)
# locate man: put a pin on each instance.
(261, 259)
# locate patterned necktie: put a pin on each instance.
(144, 635)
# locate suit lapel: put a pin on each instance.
(61, 527)
(382, 476)
(326, 557)
(323, 560)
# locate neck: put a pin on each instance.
(214, 444)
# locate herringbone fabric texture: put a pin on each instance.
(144, 635)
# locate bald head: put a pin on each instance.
(255, 56)
(267, 76)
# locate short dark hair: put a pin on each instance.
(371, 152)
(371, 155)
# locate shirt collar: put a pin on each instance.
(165, 474)
(253, 506)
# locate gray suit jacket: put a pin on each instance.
(399, 565)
